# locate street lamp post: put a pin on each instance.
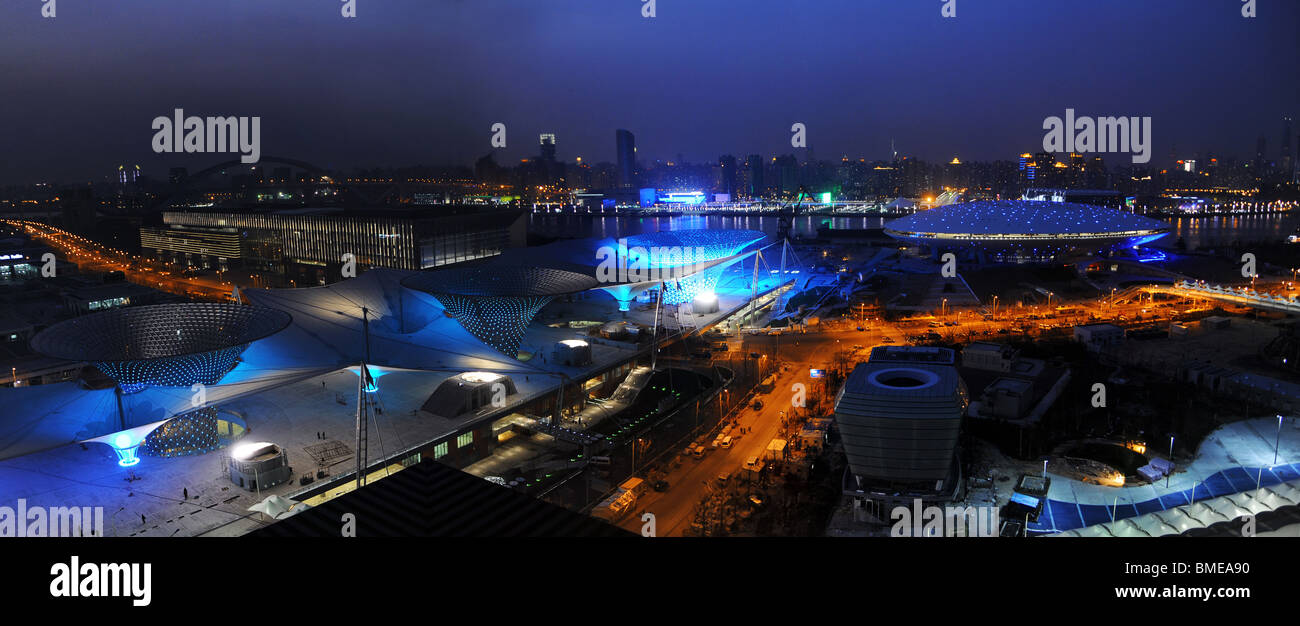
(1171, 461)
(1278, 439)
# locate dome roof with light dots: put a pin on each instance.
(1020, 223)
(1025, 218)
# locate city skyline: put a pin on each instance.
(686, 83)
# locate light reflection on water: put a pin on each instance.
(1197, 232)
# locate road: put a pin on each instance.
(90, 256)
(840, 344)
(691, 479)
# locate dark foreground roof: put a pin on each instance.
(430, 499)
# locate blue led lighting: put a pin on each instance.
(685, 289)
(207, 368)
(125, 446)
(126, 457)
(189, 433)
(170, 345)
(705, 245)
(496, 303)
(498, 322)
(1026, 228)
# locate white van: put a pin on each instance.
(726, 441)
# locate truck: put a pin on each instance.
(616, 506)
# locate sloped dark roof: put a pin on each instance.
(430, 499)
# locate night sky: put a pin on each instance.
(421, 81)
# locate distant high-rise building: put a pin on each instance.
(625, 149)
(754, 164)
(1261, 150)
(547, 143)
(727, 182)
(1286, 157)
(128, 175)
(786, 168)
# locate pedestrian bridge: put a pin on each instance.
(1244, 296)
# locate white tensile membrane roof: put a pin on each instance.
(1201, 514)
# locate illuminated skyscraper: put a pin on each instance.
(547, 143)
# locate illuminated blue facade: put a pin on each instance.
(1025, 230)
(688, 198)
(705, 244)
(675, 258)
(685, 289)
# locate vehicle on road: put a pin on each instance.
(726, 441)
(723, 478)
(755, 500)
(660, 485)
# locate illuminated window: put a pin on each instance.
(465, 440)
(440, 450)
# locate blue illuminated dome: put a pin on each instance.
(169, 345)
(1026, 229)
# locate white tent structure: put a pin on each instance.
(901, 203)
(277, 507)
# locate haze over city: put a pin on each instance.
(414, 82)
